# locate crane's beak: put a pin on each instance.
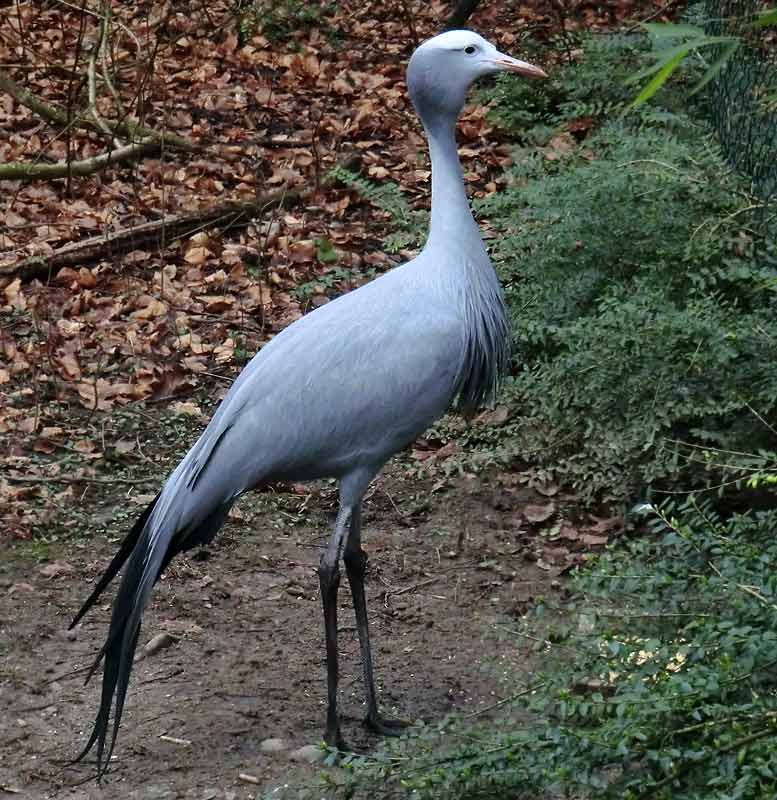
(510, 64)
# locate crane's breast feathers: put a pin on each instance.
(486, 347)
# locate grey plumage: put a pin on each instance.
(336, 394)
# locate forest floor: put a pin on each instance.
(449, 571)
(110, 366)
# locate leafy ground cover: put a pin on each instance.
(655, 679)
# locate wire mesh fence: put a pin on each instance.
(744, 92)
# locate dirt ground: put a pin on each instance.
(447, 569)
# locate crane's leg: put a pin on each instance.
(356, 565)
(329, 580)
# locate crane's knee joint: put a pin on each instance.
(328, 575)
(356, 562)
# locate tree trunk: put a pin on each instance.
(462, 11)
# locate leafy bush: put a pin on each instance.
(283, 20)
(658, 679)
(641, 296)
(573, 91)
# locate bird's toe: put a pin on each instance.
(386, 726)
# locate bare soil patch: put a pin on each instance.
(447, 569)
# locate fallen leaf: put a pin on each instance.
(55, 569)
(124, 446)
(593, 540)
(195, 364)
(538, 513)
(187, 407)
(143, 499)
(225, 351)
(153, 308)
(14, 296)
(71, 370)
(496, 416)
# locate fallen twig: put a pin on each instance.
(165, 677)
(175, 740)
(98, 481)
(396, 592)
(504, 701)
(88, 166)
(148, 234)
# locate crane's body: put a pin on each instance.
(336, 394)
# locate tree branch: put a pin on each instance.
(146, 235)
(88, 166)
(59, 116)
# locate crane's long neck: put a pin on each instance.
(452, 221)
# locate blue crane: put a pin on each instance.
(335, 395)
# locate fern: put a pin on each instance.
(409, 225)
(641, 298)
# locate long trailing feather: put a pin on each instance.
(119, 648)
(116, 564)
(147, 551)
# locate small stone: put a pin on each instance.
(151, 791)
(153, 646)
(310, 753)
(273, 745)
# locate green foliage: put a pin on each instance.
(338, 278)
(674, 44)
(658, 679)
(283, 20)
(408, 226)
(241, 355)
(640, 291)
(534, 110)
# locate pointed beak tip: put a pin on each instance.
(520, 67)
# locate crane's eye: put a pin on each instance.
(470, 50)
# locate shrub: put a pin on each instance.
(640, 295)
(658, 679)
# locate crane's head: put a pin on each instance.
(443, 68)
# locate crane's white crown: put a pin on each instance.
(457, 40)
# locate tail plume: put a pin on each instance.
(147, 551)
(125, 549)
(145, 555)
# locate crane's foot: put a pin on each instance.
(333, 738)
(386, 726)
